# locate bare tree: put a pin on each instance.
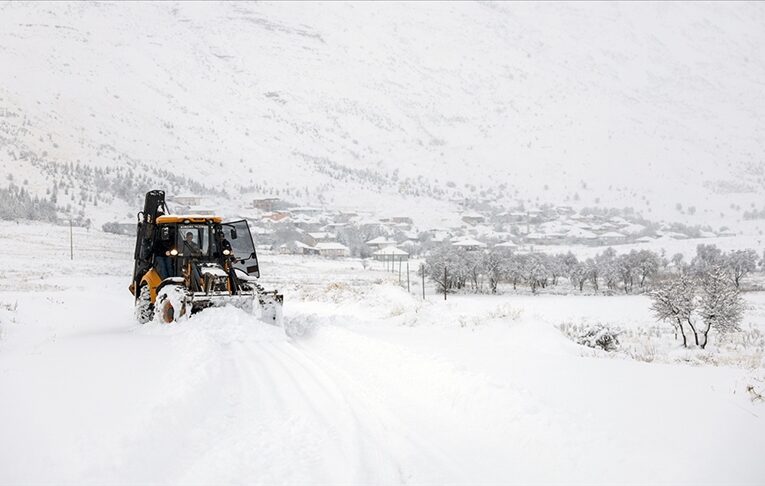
(720, 306)
(494, 263)
(579, 275)
(741, 263)
(673, 300)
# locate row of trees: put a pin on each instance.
(17, 203)
(454, 268)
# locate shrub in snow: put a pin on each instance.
(755, 394)
(7, 315)
(597, 335)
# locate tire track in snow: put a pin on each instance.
(418, 458)
(464, 425)
(374, 461)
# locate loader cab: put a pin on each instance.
(206, 240)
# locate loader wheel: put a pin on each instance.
(171, 305)
(144, 309)
(168, 312)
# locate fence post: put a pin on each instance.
(71, 241)
(407, 275)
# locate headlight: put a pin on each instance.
(226, 252)
(173, 252)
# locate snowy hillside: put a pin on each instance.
(392, 106)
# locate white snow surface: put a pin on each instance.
(368, 385)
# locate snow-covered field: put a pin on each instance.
(369, 385)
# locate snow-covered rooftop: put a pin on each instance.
(469, 242)
(391, 250)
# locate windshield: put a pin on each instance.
(193, 240)
(237, 234)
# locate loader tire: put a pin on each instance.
(170, 304)
(168, 312)
(144, 309)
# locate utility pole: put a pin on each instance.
(407, 276)
(422, 272)
(71, 241)
(444, 283)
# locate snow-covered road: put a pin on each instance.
(369, 386)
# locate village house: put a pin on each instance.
(473, 218)
(402, 220)
(304, 249)
(612, 238)
(186, 200)
(306, 210)
(265, 203)
(315, 238)
(470, 244)
(380, 242)
(307, 223)
(506, 245)
(333, 249)
(276, 216)
(390, 253)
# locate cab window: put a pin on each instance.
(193, 240)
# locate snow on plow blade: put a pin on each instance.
(177, 303)
(271, 308)
(267, 306)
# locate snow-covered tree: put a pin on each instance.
(707, 257)
(687, 298)
(720, 305)
(494, 265)
(673, 300)
(579, 275)
(647, 265)
(741, 263)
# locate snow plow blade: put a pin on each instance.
(266, 306)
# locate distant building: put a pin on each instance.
(390, 253)
(333, 249)
(120, 228)
(304, 249)
(537, 238)
(307, 223)
(186, 200)
(473, 219)
(380, 242)
(581, 234)
(276, 216)
(470, 244)
(306, 210)
(315, 238)
(506, 244)
(204, 211)
(265, 203)
(345, 216)
(402, 219)
(612, 237)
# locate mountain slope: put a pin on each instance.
(647, 105)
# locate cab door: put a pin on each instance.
(237, 233)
